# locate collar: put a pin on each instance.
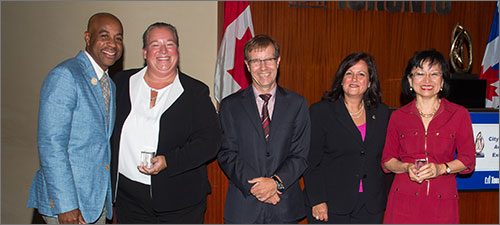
(257, 93)
(175, 83)
(97, 69)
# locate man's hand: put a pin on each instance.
(263, 188)
(159, 164)
(71, 217)
(273, 199)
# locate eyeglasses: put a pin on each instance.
(433, 75)
(257, 62)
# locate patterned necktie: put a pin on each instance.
(265, 120)
(105, 90)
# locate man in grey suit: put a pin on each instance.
(75, 123)
(266, 133)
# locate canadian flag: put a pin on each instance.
(230, 72)
(489, 67)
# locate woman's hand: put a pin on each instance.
(412, 173)
(428, 171)
(320, 212)
(159, 164)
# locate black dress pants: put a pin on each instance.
(134, 206)
(359, 215)
(266, 216)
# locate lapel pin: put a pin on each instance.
(373, 117)
(93, 81)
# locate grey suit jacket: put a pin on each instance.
(73, 142)
(245, 154)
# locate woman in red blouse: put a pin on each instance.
(428, 141)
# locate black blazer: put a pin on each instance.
(189, 138)
(339, 158)
(245, 154)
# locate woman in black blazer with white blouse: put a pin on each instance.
(345, 182)
(164, 111)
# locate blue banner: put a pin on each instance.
(486, 140)
(480, 180)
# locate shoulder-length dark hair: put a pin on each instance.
(372, 96)
(418, 59)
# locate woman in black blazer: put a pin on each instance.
(162, 110)
(345, 183)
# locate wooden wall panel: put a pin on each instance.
(216, 200)
(314, 40)
(478, 207)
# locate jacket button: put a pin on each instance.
(416, 193)
(439, 196)
(51, 202)
(416, 133)
(397, 189)
(107, 166)
(437, 133)
(362, 152)
(268, 154)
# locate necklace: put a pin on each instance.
(429, 115)
(357, 114)
(152, 98)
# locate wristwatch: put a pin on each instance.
(448, 169)
(279, 184)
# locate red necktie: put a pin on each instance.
(265, 120)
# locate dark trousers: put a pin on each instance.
(134, 205)
(266, 216)
(274, 222)
(358, 215)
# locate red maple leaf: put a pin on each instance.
(239, 72)
(491, 76)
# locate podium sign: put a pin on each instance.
(485, 175)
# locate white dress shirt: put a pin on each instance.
(260, 101)
(141, 128)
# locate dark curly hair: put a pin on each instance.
(372, 96)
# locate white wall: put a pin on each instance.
(36, 36)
